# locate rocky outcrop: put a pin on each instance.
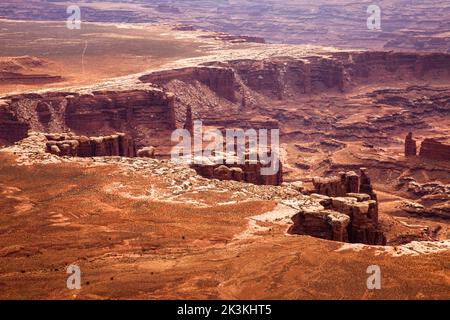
(281, 78)
(433, 198)
(439, 210)
(410, 146)
(421, 189)
(435, 150)
(324, 224)
(81, 146)
(345, 183)
(363, 213)
(249, 172)
(337, 186)
(366, 184)
(352, 195)
(353, 218)
(14, 77)
(145, 115)
(11, 128)
(147, 152)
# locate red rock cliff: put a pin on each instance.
(435, 150)
(147, 116)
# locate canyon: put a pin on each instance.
(87, 178)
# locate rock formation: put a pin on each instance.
(347, 194)
(249, 172)
(338, 186)
(325, 224)
(145, 115)
(435, 150)
(82, 146)
(147, 152)
(189, 125)
(353, 218)
(11, 128)
(410, 146)
(366, 184)
(363, 213)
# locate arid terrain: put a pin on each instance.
(86, 118)
(406, 24)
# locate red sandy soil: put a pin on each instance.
(60, 214)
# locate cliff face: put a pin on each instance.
(350, 195)
(219, 80)
(146, 115)
(378, 66)
(325, 224)
(11, 128)
(337, 186)
(76, 146)
(226, 94)
(240, 82)
(435, 150)
(353, 218)
(282, 78)
(152, 109)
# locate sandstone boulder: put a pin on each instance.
(147, 152)
(223, 173)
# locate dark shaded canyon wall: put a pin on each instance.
(325, 224)
(147, 116)
(11, 128)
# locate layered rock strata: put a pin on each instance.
(146, 115)
(337, 186)
(350, 195)
(353, 218)
(82, 146)
(249, 172)
(435, 150)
